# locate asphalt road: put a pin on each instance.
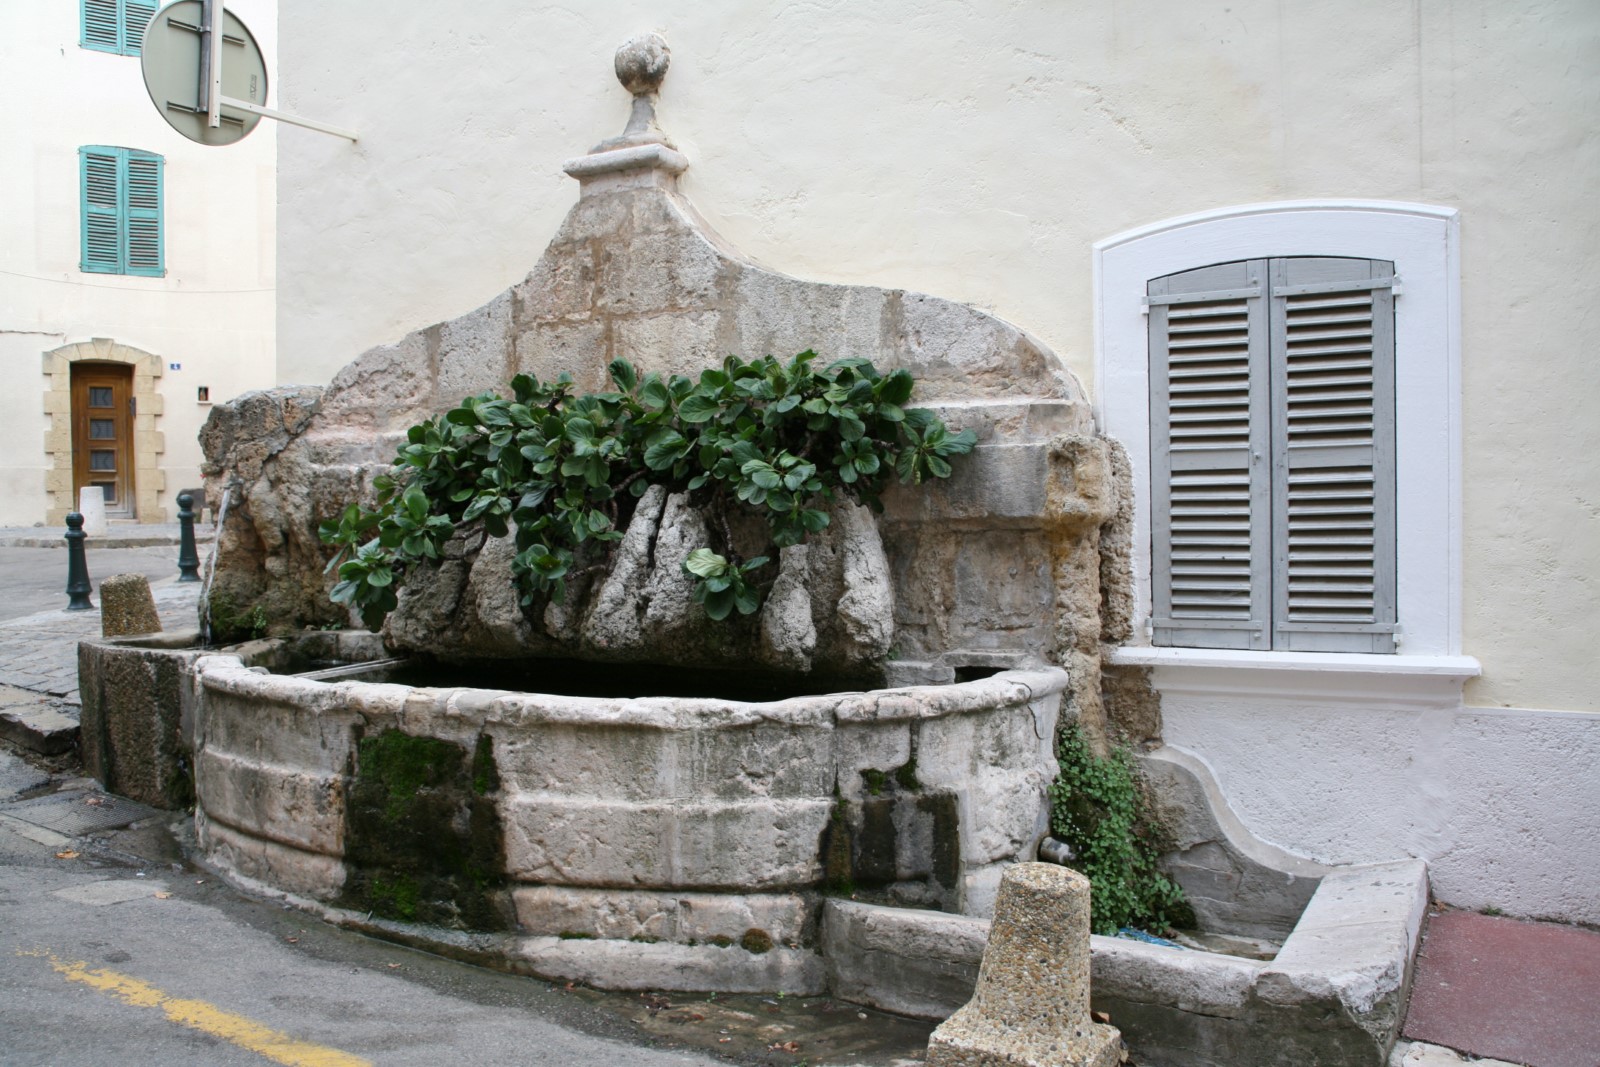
(35, 579)
(115, 949)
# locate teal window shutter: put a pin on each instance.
(102, 210)
(122, 212)
(136, 16)
(116, 26)
(102, 25)
(145, 253)
(1272, 456)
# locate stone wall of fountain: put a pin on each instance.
(1003, 563)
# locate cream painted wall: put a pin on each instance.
(213, 312)
(976, 151)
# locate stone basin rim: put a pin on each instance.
(228, 673)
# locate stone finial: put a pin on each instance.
(1031, 1004)
(642, 63)
(126, 606)
(641, 154)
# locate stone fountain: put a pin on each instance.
(843, 820)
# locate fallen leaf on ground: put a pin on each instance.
(292, 940)
(392, 966)
(785, 1046)
(163, 896)
(67, 855)
(95, 802)
(1100, 1016)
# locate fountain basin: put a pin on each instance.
(652, 842)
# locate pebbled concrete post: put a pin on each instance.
(1031, 1005)
(126, 606)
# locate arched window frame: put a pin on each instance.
(1423, 242)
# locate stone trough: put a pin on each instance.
(1332, 994)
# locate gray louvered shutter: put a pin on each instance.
(1333, 455)
(1211, 504)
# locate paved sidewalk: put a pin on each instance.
(117, 535)
(39, 652)
(1527, 992)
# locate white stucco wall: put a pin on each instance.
(213, 312)
(977, 151)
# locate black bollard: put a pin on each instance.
(78, 586)
(188, 558)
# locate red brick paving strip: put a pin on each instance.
(1501, 988)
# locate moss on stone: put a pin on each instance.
(422, 834)
(756, 942)
(485, 776)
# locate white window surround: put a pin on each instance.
(1424, 244)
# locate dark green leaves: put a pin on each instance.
(784, 439)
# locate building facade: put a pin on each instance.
(1326, 271)
(136, 267)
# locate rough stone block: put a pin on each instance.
(679, 342)
(581, 349)
(136, 717)
(1031, 1003)
(908, 961)
(474, 352)
(126, 606)
(686, 918)
(302, 811)
(673, 967)
(267, 864)
(561, 286)
(658, 272)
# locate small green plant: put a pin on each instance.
(231, 624)
(1096, 806)
(781, 440)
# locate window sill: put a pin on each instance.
(1314, 676)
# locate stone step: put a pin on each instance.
(37, 724)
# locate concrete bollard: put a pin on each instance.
(1031, 1004)
(92, 506)
(126, 606)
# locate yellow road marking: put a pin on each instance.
(207, 1018)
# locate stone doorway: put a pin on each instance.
(102, 434)
(146, 479)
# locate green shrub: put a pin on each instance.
(1097, 807)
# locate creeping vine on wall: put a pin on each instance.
(1096, 806)
(783, 440)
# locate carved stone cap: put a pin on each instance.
(641, 154)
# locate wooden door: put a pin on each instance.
(102, 433)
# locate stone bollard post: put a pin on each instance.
(188, 558)
(126, 606)
(1031, 1004)
(78, 587)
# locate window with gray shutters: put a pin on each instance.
(1272, 441)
